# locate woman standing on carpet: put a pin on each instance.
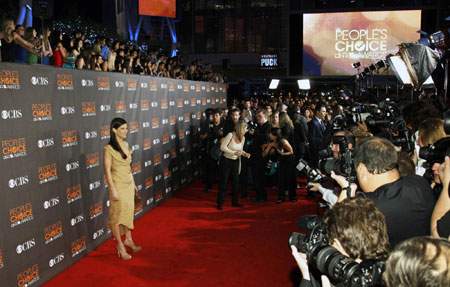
(287, 178)
(122, 188)
(230, 163)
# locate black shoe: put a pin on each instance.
(293, 200)
(237, 205)
(281, 200)
(207, 190)
(219, 207)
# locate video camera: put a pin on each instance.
(342, 166)
(389, 116)
(355, 114)
(329, 261)
(436, 152)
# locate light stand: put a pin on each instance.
(446, 79)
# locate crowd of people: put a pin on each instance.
(407, 188)
(23, 45)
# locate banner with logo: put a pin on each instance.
(54, 124)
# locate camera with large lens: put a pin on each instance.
(329, 261)
(389, 116)
(434, 153)
(344, 165)
(311, 174)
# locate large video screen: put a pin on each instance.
(332, 42)
(162, 8)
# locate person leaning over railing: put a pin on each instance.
(9, 37)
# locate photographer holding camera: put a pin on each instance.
(214, 134)
(440, 219)
(406, 202)
(347, 139)
(357, 229)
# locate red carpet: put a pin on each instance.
(187, 242)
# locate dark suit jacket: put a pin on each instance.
(315, 134)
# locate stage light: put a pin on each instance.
(366, 70)
(400, 69)
(304, 84)
(372, 67)
(413, 64)
(274, 84)
(356, 65)
(380, 64)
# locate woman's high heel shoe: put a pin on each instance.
(133, 247)
(125, 256)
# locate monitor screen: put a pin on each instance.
(162, 8)
(332, 42)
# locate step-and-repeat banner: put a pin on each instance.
(54, 201)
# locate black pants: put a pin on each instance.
(287, 179)
(244, 176)
(258, 167)
(228, 168)
(211, 172)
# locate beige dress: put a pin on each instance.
(121, 212)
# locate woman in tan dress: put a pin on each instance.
(122, 188)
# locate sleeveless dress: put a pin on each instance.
(121, 212)
(7, 51)
(57, 59)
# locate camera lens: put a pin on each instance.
(298, 240)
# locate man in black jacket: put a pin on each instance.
(406, 202)
(258, 162)
(214, 134)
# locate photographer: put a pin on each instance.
(430, 131)
(328, 194)
(440, 219)
(356, 228)
(419, 262)
(406, 202)
(214, 136)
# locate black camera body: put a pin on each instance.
(434, 153)
(329, 261)
(342, 166)
(311, 173)
(251, 125)
(388, 115)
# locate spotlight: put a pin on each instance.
(363, 75)
(356, 65)
(413, 64)
(372, 67)
(380, 64)
(304, 84)
(366, 70)
(400, 69)
(274, 84)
